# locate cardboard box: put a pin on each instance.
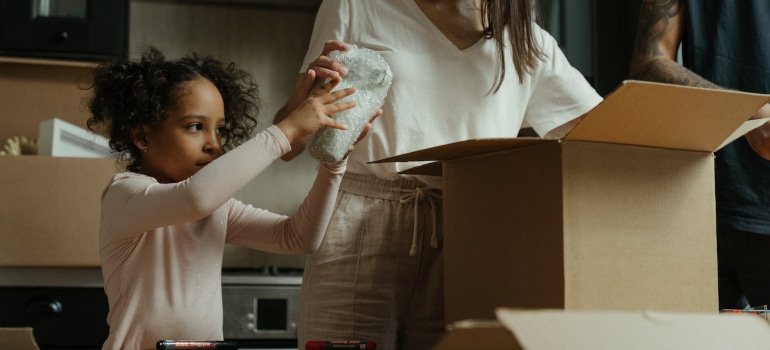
(33, 90)
(619, 215)
(17, 339)
(58, 138)
(576, 330)
(50, 207)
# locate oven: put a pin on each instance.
(67, 308)
(260, 306)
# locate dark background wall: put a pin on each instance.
(615, 32)
(596, 36)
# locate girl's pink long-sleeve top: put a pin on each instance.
(161, 245)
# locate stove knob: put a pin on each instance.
(251, 325)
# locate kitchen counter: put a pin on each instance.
(50, 277)
(92, 277)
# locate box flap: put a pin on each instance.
(605, 330)
(668, 116)
(465, 148)
(477, 335)
(17, 338)
(746, 127)
(429, 169)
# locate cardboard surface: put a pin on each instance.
(619, 215)
(637, 113)
(59, 138)
(668, 116)
(35, 90)
(592, 227)
(17, 339)
(559, 330)
(50, 210)
(464, 149)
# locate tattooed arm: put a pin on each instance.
(659, 33)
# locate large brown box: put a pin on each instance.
(49, 210)
(617, 215)
(608, 330)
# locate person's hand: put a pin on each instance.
(319, 71)
(365, 131)
(759, 138)
(326, 67)
(313, 113)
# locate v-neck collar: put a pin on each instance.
(412, 5)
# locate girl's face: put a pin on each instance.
(189, 138)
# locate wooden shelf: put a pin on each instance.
(46, 62)
(311, 5)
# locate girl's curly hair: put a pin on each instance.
(129, 94)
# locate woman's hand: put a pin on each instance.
(314, 113)
(322, 69)
(365, 131)
(759, 138)
(324, 66)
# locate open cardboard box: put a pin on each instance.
(617, 215)
(49, 212)
(17, 339)
(594, 330)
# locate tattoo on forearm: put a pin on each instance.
(667, 71)
(649, 63)
(653, 22)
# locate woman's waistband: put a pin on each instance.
(375, 187)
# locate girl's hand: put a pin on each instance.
(313, 113)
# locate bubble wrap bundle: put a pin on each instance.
(371, 76)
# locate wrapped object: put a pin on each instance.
(371, 76)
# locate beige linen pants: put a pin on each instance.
(363, 283)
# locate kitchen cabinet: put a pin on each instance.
(33, 90)
(310, 5)
(69, 29)
(66, 308)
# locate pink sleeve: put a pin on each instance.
(299, 234)
(135, 203)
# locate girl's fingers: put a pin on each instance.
(326, 89)
(333, 123)
(342, 93)
(325, 97)
(334, 108)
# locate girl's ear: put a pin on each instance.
(140, 137)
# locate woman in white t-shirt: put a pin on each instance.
(378, 274)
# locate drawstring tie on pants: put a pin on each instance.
(431, 194)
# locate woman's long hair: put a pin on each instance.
(519, 17)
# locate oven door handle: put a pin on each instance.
(45, 306)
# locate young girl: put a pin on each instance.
(165, 220)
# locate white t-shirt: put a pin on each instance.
(161, 245)
(441, 94)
